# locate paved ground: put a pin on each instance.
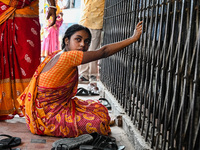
(17, 127)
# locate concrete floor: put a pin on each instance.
(17, 128)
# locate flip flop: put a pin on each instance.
(72, 142)
(9, 141)
(100, 142)
(82, 92)
(89, 147)
(61, 147)
(105, 102)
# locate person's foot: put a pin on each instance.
(83, 80)
(91, 86)
(93, 89)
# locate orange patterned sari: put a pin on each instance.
(50, 106)
(19, 51)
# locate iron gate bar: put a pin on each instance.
(132, 55)
(158, 69)
(146, 68)
(195, 81)
(185, 82)
(177, 79)
(141, 65)
(163, 79)
(144, 91)
(135, 72)
(152, 68)
(128, 72)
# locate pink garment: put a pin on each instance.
(51, 39)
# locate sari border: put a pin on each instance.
(7, 80)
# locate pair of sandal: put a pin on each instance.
(84, 92)
(9, 142)
(93, 141)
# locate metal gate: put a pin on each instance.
(157, 79)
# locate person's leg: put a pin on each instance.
(86, 70)
(95, 44)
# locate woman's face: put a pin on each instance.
(78, 41)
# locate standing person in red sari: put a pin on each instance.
(49, 103)
(19, 50)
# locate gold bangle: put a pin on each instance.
(54, 7)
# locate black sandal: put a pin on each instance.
(9, 142)
(105, 102)
(100, 142)
(82, 92)
(61, 147)
(70, 143)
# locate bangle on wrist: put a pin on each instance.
(54, 7)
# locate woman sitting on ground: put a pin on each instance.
(49, 103)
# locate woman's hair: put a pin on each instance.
(71, 30)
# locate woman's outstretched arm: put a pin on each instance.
(112, 48)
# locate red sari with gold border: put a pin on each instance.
(19, 51)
